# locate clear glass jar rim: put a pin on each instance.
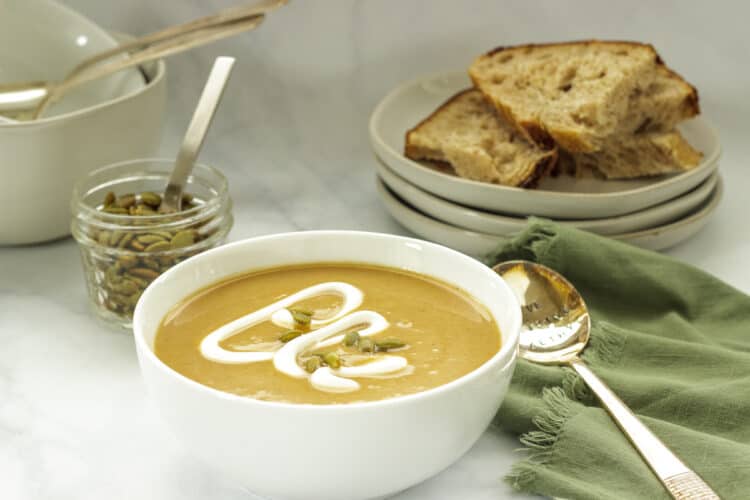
(83, 209)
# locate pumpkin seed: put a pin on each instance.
(140, 281)
(332, 359)
(151, 263)
(312, 364)
(126, 201)
(149, 238)
(158, 246)
(137, 245)
(151, 199)
(127, 287)
(127, 261)
(109, 198)
(388, 344)
(302, 317)
(366, 345)
(290, 335)
(112, 275)
(115, 210)
(134, 297)
(125, 240)
(142, 272)
(143, 210)
(183, 238)
(165, 262)
(114, 238)
(351, 338)
(164, 234)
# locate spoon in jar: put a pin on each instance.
(556, 326)
(196, 133)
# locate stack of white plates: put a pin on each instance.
(475, 217)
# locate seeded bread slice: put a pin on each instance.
(466, 133)
(575, 94)
(639, 155)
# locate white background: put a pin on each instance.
(291, 135)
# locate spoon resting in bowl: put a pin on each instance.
(23, 101)
(556, 328)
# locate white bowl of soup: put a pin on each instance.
(328, 364)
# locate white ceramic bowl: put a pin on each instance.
(332, 452)
(109, 121)
(561, 197)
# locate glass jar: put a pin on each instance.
(123, 252)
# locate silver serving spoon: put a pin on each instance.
(28, 100)
(196, 133)
(556, 325)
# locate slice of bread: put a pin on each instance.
(664, 103)
(466, 133)
(575, 94)
(636, 155)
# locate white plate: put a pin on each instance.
(561, 197)
(486, 222)
(480, 244)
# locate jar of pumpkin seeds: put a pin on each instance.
(125, 241)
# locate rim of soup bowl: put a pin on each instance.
(504, 356)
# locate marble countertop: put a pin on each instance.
(292, 138)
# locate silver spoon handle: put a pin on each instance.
(199, 124)
(155, 51)
(231, 14)
(677, 478)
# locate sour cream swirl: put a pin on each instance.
(324, 332)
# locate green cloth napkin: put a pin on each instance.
(672, 341)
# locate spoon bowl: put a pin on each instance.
(556, 322)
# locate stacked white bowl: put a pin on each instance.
(475, 217)
(102, 122)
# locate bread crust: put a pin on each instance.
(692, 101)
(588, 41)
(535, 131)
(541, 170)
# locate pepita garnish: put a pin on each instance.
(312, 364)
(366, 345)
(351, 339)
(302, 317)
(388, 344)
(290, 335)
(332, 359)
